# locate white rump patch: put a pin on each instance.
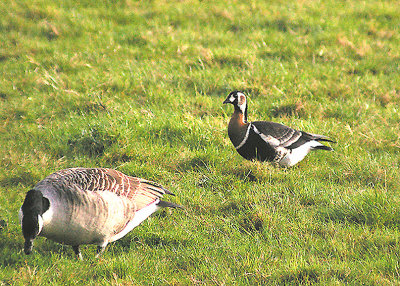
(298, 154)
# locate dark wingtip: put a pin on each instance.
(327, 140)
(323, 138)
(323, 147)
(168, 192)
(156, 185)
(165, 204)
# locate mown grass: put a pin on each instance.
(138, 86)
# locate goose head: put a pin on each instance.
(31, 217)
(239, 101)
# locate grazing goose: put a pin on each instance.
(268, 141)
(88, 206)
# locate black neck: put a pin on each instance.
(34, 205)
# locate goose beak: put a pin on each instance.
(28, 246)
(227, 101)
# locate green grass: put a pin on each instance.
(138, 86)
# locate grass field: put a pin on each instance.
(138, 87)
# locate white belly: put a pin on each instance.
(298, 154)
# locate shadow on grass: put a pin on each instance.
(306, 275)
(12, 244)
(370, 209)
(300, 276)
(22, 177)
(168, 133)
(197, 163)
(289, 110)
(243, 214)
(151, 240)
(118, 158)
(10, 251)
(91, 141)
(249, 171)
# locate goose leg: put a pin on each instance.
(77, 251)
(100, 250)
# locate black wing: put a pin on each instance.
(281, 135)
(277, 134)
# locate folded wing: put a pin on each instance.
(279, 135)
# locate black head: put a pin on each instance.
(238, 100)
(32, 210)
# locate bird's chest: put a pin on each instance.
(237, 130)
(254, 147)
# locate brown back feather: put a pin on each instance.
(140, 191)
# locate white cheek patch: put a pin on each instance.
(40, 221)
(242, 102)
(232, 98)
(242, 99)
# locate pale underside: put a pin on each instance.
(95, 206)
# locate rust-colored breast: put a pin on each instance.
(237, 128)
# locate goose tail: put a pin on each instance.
(165, 204)
(322, 147)
(323, 138)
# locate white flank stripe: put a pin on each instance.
(269, 139)
(244, 139)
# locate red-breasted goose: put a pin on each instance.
(88, 206)
(269, 141)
